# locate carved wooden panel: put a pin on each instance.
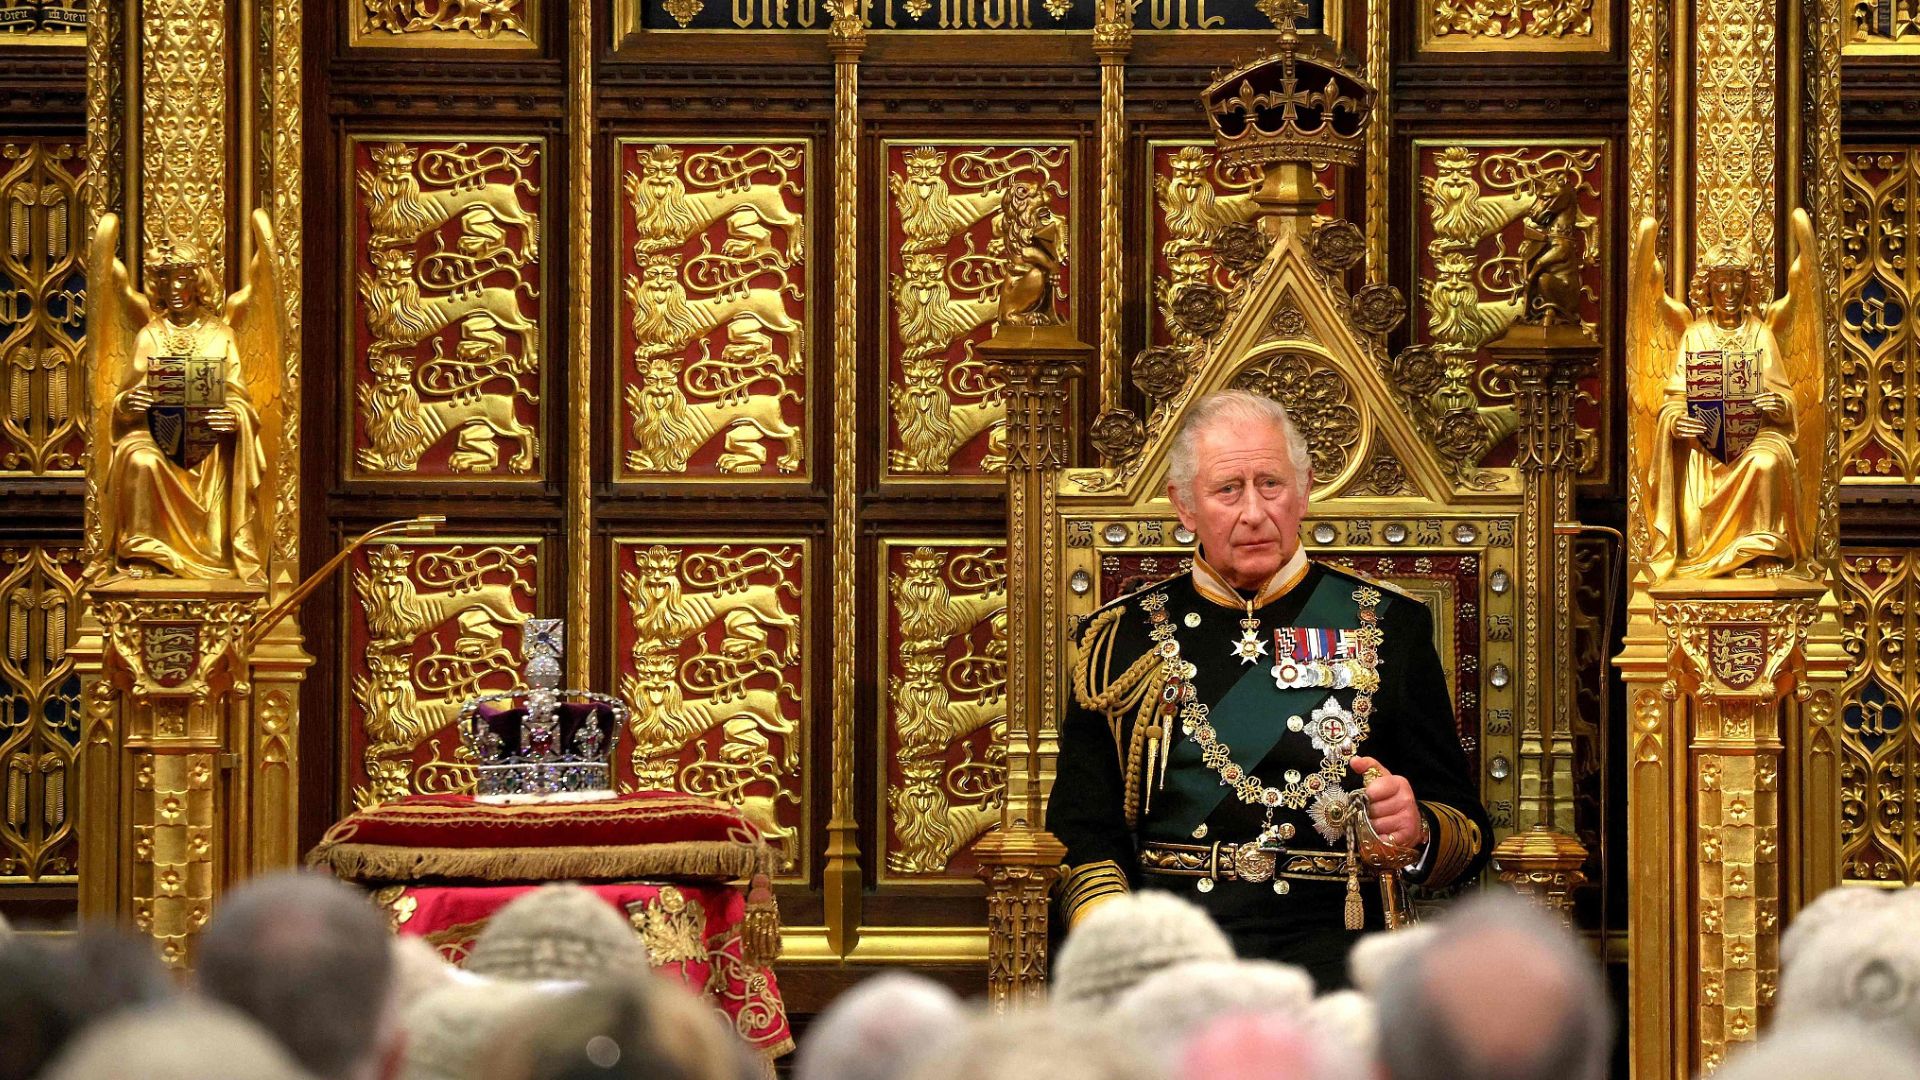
(1536, 26)
(1879, 744)
(712, 647)
(944, 667)
(1879, 279)
(444, 337)
(946, 415)
(43, 311)
(430, 624)
(1194, 194)
(712, 311)
(445, 24)
(39, 711)
(1491, 213)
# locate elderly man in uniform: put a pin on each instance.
(1218, 717)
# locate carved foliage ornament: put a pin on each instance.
(713, 304)
(1495, 20)
(1879, 286)
(1320, 402)
(446, 340)
(458, 23)
(1879, 744)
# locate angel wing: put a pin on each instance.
(1656, 323)
(254, 314)
(115, 313)
(1799, 331)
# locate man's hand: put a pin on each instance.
(222, 419)
(1391, 807)
(1689, 427)
(1773, 405)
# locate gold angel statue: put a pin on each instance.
(1727, 414)
(187, 403)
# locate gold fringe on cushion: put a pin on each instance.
(365, 863)
(760, 929)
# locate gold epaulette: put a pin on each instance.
(1089, 885)
(1095, 686)
(1455, 844)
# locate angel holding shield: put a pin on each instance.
(1727, 409)
(187, 390)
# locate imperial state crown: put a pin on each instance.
(545, 740)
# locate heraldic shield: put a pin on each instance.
(185, 390)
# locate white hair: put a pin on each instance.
(1553, 1023)
(1171, 1006)
(879, 1030)
(1226, 407)
(1375, 954)
(1032, 1043)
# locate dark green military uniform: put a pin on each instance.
(1177, 756)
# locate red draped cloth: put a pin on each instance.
(692, 932)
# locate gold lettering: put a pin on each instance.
(1175, 15)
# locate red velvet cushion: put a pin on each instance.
(643, 834)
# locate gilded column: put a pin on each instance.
(1544, 360)
(1021, 860)
(1732, 657)
(1379, 62)
(847, 38)
(1112, 42)
(580, 467)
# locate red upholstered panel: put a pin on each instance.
(643, 834)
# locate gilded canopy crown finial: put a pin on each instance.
(1291, 105)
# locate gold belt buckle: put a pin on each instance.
(1252, 864)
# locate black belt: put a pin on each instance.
(1242, 862)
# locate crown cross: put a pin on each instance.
(1286, 14)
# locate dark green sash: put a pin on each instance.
(1251, 717)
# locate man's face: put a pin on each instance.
(1246, 503)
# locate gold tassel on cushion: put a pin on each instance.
(760, 930)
